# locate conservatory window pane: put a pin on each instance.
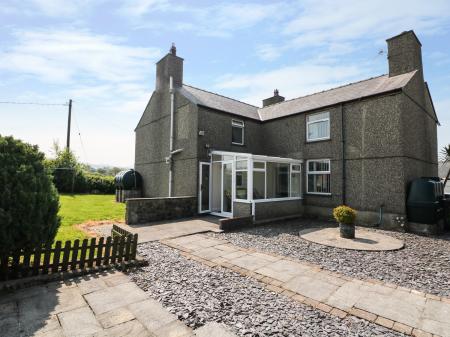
(259, 182)
(295, 185)
(241, 165)
(259, 165)
(241, 185)
(277, 180)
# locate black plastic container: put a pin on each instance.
(425, 201)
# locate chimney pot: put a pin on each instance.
(276, 98)
(173, 49)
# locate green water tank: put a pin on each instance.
(128, 180)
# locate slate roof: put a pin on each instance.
(349, 92)
(219, 102)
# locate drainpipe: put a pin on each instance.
(169, 159)
(171, 134)
(344, 177)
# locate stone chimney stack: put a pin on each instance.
(404, 54)
(276, 98)
(169, 65)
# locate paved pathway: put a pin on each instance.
(171, 229)
(404, 310)
(101, 305)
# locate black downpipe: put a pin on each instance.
(344, 177)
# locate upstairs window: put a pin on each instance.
(237, 132)
(318, 126)
(319, 177)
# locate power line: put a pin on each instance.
(32, 103)
(81, 140)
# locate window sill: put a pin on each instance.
(318, 140)
(319, 194)
(238, 144)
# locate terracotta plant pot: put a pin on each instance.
(347, 231)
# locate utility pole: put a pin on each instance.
(68, 124)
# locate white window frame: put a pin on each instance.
(235, 123)
(317, 173)
(318, 121)
(292, 171)
(235, 161)
(265, 177)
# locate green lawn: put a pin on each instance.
(80, 208)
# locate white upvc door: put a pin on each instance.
(204, 188)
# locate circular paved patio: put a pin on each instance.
(364, 240)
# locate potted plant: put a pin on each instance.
(345, 216)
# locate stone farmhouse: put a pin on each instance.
(359, 144)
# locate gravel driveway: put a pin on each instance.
(198, 294)
(424, 263)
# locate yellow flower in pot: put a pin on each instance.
(345, 216)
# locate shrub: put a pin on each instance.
(29, 202)
(99, 183)
(344, 214)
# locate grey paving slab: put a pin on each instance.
(10, 326)
(208, 253)
(397, 305)
(115, 317)
(116, 279)
(52, 333)
(436, 318)
(88, 285)
(174, 329)
(8, 308)
(32, 327)
(79, 322)
(250, 262)
(284, 270)
(44, 304)
(173, 229)
(111, 306)
(234, 255)
(346, 296)
(214, 329)
(130, 329)
(115, 297)
(158, 318)
(311, 287)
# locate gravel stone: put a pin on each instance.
(198, 294)
(423, 264)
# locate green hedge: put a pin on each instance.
(99, 183)
(83, 182)
(29, 202)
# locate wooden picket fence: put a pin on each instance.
(49, 260)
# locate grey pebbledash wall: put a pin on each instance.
(146, 210)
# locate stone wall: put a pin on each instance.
(273, 210)
(145, 210)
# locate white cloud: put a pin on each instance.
(137, 8)
(62, 56)
(61, 7)
(218, 20)
(332, 23)
(292, 81)
(109, 81)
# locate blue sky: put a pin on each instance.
(102, 54)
